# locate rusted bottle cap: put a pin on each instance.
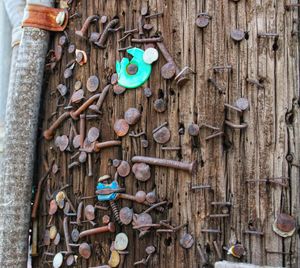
(186, 241)
(121, 241)
(160, 105)
(237, 35)
(114, 259)
(162, 135)
(284, 225)
(126, 215)
(118, 89)
(85, 250)
(121, 127)
(193, 130)
(132, 116)
(140, 196)
(168, 70)
(52, 232)
(75, 235)
(123, 169)
(92, 83)
(93, 134)
(141, 171)
(58, 260)
(89, 212)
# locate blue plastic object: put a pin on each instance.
(144, 69)
(107, 197)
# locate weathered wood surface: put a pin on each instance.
(225, 162)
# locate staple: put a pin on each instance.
(222, 68)
(255, 82)
(124, 48)
(214, 231)
(159, 127)
(261, 35)
(199, 187)
(214, 135)
(219, 215)
(154, 15)
(252, 232)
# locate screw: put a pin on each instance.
(104, 36)
(116, 211)
(50, 132)
(84, 106)
(191, 167)
(83, 32)
(107, 228)
(97, 107)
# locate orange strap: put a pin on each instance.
(46, 18)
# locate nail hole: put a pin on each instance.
(168, 241)
(275, 46)
(170, 205)
(207, 249)
(246, 35)
(172, 92)
(289, 117)
(160, 94)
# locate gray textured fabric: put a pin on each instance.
(19, 150)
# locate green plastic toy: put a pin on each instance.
(139, 69)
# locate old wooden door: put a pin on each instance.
(259, 63)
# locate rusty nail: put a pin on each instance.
(255, 82)
(84, 106)
(191, 167)
(107, 228)
(83, 31)
(159, 127)
(101, 43)
(237, 35)
(90, 164)
(66, 234)
(82, 129)
(49, 133)
(147, 40)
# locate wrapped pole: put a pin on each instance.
(19, 149)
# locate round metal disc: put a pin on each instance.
(92, 83)
(168, 70)
(114, 259)
(162, 135)
(242, 103)
(58, 260)
(75, 235)
(126, 215)
(150, 55)
(52, 232)
(121, 241)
